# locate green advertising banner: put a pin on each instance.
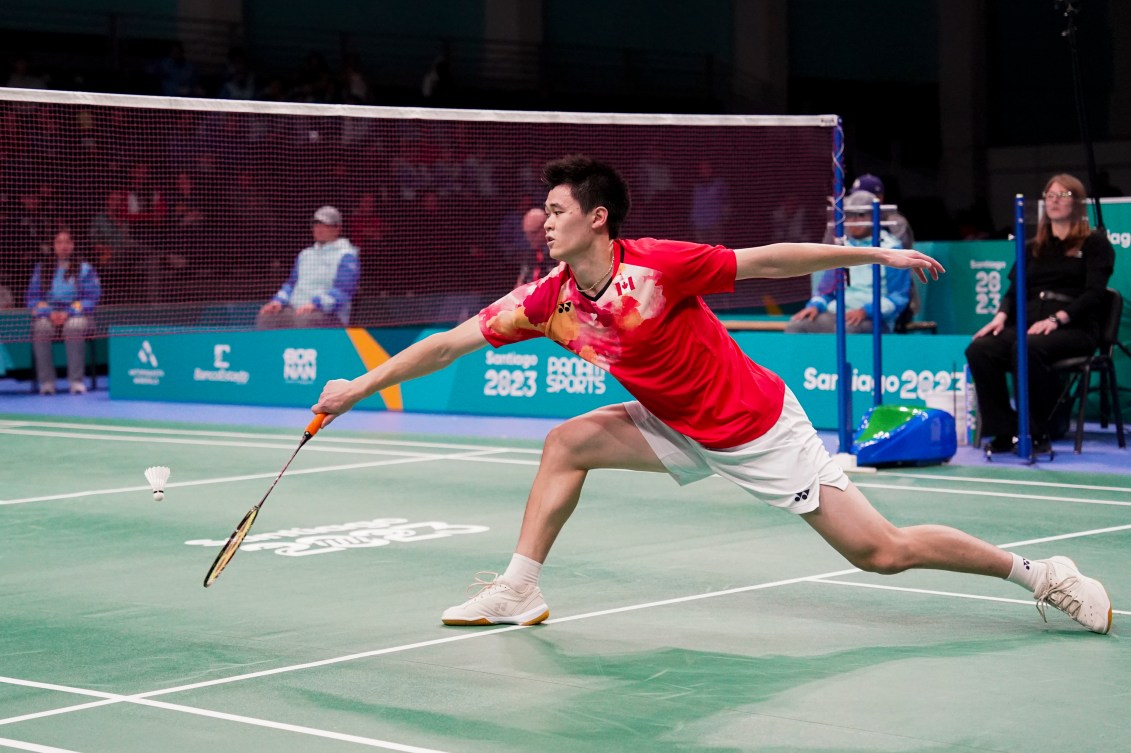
(1117, 222)
(967, 297)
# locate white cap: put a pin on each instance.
(859, 202)
(328, 215)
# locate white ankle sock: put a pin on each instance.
(522, 572)
(1027, 573)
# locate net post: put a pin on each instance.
(1024, 441)
(844, 369)
(877, 323)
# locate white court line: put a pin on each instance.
(471, 454)
(19, 745)
(1066, 536)
(279, 444)
(1008, 482)
(341, 736)
(930, 592)
(112, 698)
(1005, 495)
(322, 437)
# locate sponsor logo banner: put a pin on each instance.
(221, 370)
(149, 372)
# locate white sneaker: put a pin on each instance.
(1078, 596)
(47, 388)
(498, 603)
(78, 388)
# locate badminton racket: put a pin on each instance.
(238, 535)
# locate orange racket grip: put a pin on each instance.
(315, 423)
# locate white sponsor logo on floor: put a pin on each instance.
(365, 534)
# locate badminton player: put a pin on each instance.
(702, 407)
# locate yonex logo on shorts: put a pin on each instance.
(801, 496)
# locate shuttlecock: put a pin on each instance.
(157, 476)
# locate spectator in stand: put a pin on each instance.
(116, 253)
(367, 232)
(146, 213)
(61, 300)
(22, 76)
(320, 290)
(354, 85)
(239, 79)
(535, 254)
(176, 76)
(316, 81)
(249, 214)
(109, 233)
(436, 86)
(186, 226)
(710, 204)
(819, 315)
(894, 222)
(1067, 272)
(367, 229)
(29, 232)
(145, 204)
(789, 219)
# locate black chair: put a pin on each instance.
(1080, 371)
(906, 322)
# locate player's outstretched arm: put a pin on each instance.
(430, 354)
(794, 259)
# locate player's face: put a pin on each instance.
(568, 228)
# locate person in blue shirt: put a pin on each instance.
(320, 290)
(819, 314)
(62, 300)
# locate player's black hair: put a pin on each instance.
(593, 184)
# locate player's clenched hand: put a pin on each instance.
(338, 396)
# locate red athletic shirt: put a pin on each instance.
(650, 329)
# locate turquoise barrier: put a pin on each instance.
(535, 378)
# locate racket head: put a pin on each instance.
(230, 548)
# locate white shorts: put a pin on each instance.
(785, 467)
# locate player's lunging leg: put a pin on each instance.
(848, 522)
(603, 438)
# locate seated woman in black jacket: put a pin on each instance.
(1068, 269)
